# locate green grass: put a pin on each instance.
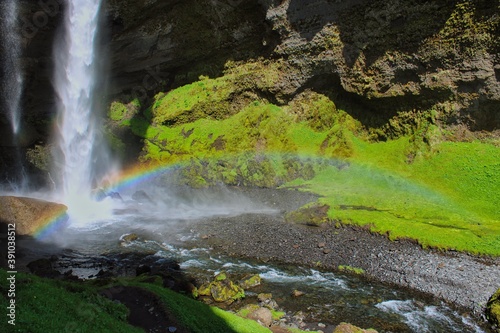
(199, 317)
(50, 306)
(44, 305)
(418, 186)
(437, 201)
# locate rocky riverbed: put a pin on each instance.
(464, 280)
(263, 234)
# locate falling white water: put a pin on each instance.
(12, 82)
(76, 75)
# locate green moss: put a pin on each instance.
(353, 270)
(313, 215)
(117, 111)
(412, 185)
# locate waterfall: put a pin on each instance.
(78, 144)
(12, 81)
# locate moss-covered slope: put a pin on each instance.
(236, 130)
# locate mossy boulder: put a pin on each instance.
(348, 328)
(493, 310)
(250, 281)
(221, 289)
(226, 291)
(314, 215)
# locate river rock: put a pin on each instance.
(221, 289)
(493, 310)
(348, 328)
(250, 281)
(226, 291)
(30, 215)
(263, 316)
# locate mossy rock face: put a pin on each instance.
(315, 215)
(493, 310)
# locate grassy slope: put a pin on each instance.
(45, 305)
(447, 197)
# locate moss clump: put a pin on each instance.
(313, 215)
(352, 270)
(493, 310)
(221, 289)
(120, 112)
(39, 156)
(250, 281)
(317, 110)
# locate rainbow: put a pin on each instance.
(132, 176)
(51, 223)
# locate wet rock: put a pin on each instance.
(43, 268)
(264, 297)
(493, 310)
(142, 197)
(226, 291)
(250, 281)
(263, 316)
(128, 238)
(297, 293)
(348, 328)
(221, 289)
(30, 215)
(115, 196)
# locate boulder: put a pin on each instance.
(493, 310)
(250, 281)
(226, 291)
(221, 289)
(29, 215)
(263, 316)
(348, 328)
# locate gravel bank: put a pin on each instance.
(464, 280)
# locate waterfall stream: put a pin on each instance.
(75, 79)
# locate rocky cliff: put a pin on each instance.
(386, 57)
